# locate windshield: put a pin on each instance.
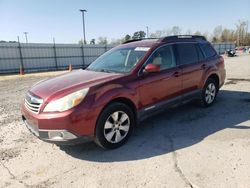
(118, 60)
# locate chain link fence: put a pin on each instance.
(222, 47)
(36, 57)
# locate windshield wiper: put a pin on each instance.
(105, 70)
(102, 70)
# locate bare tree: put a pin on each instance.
(242, 32)
(197, 33)
(102, 40)
(217, 33)
(189, 32)
(117, 41)
(176, 30)
(166, 32)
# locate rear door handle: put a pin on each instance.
(203, 66)
(176, 74)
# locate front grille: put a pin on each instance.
(33, 103)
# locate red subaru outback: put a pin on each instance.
(105, 101)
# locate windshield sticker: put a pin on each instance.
(145, 49)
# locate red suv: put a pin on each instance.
(105, 101)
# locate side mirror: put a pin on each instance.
(151, 68)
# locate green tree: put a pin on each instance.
(139, 35)
(127, 37)
(92, 41)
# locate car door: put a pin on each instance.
(192, 68)
(156, 89)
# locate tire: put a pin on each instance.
(114, 126)
(209, 92)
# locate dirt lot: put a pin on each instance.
(185, 147)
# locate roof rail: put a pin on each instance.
(181, 38)
(134, 40)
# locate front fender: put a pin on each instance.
(115, 91)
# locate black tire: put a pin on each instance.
(100, 132)
(204, 97)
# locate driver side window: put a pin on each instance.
(164, 57)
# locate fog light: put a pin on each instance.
(61, 135)
(55, 135)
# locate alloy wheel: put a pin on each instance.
(210, 93)
(116, 127)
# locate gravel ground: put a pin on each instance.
(184, 147)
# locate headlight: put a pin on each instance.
(67, 102)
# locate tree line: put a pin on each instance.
(239, 35)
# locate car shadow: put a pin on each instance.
(173, 129)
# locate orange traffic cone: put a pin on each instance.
(70, 67)
(21, 72)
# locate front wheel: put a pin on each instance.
(209, 92)
(114, 126)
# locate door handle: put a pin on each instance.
(176, 74)
(203, 66)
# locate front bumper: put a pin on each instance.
(59, 137)
(73, 126)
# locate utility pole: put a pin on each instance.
(147, 32)
(26, 36)
(21, 56)
(83, 25)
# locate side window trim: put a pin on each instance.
(177, 56)
(205, 56)
(198, 48)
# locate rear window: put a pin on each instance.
(208, 50)
(187, 53)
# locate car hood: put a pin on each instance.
(70, 82)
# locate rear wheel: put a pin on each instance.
(114, 126)
(209, 92)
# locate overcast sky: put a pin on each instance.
(45, 19)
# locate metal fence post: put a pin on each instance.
(21, 57)
(83, 61)
(54, 47)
